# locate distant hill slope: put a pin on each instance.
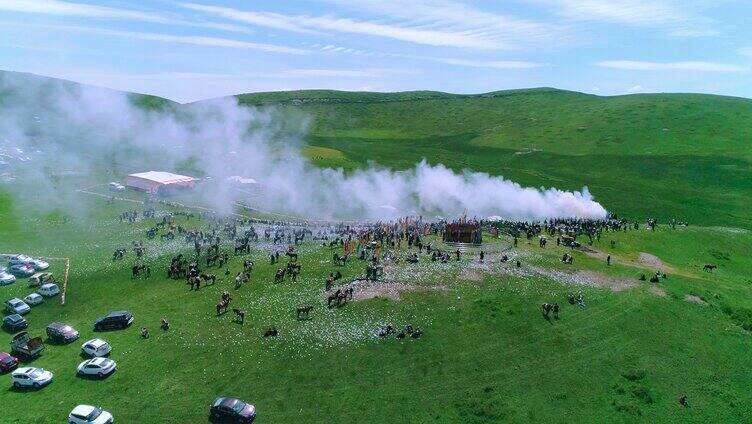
(687, 156)
(667, 155)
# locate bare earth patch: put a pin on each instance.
(654, 262)
(364, 290)
(657, 290)
(471, 274)
(597, 279)
(695, 299)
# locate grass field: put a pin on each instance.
(487, 355)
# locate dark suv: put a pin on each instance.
(59, 332)
(231, 410)
(114, 321)
(14, 323)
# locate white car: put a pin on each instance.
(17, 306)
(38, 264)
(33, 299)
(6, 277)
(116, 187)
(49, 290)
(96, 348)
(30, 377)
(87, 414)
(98, 367)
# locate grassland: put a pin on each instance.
(487, 356)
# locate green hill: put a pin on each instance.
(686, 156)
(666, 155)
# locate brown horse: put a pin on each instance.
(222, 306)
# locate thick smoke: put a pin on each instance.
(52, 131)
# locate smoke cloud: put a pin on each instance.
(52, 131)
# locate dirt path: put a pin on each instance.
(654, 262)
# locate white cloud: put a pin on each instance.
(63, 8)
(745, 51)
(636, 89)
(167, 38)
(681, 19)
(694, 33)
(619, 11)
(495, 64)
(632, 65)
(461, 26)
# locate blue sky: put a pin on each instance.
(195, 49)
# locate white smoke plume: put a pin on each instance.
(101, 135)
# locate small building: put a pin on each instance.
(463, 232)
(155, 182)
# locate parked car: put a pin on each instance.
(96, 348)
(49, 290)
(8, 362)
(21, 270)
(233, 410)
(30, 377)
(19, 259)
(116, 187)
(87, 414)
(33, 299)
(59, 332)
(38, 264)
(26, 347)
(40, 278)
(14, 323)
(113, 321)
(17, 306)
(98, 367)
(6, 278)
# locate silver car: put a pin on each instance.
(6, 277)
(17, 306)
(38, 264)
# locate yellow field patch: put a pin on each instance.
(320, 153)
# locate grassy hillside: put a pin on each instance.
(685, 156)
(487, 356)
(664, 155)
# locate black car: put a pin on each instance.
(114, 321)
(61, 333)
(231, 410)
(14, 322)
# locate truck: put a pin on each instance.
(40, 278)
(26, 347)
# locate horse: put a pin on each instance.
(222, 306)
(239, 315)
(279, 276)
(248, 265)
(709, 267)
(208, 277)
(303, 311)
(546, 307)
(118, 254)
(271, 332)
